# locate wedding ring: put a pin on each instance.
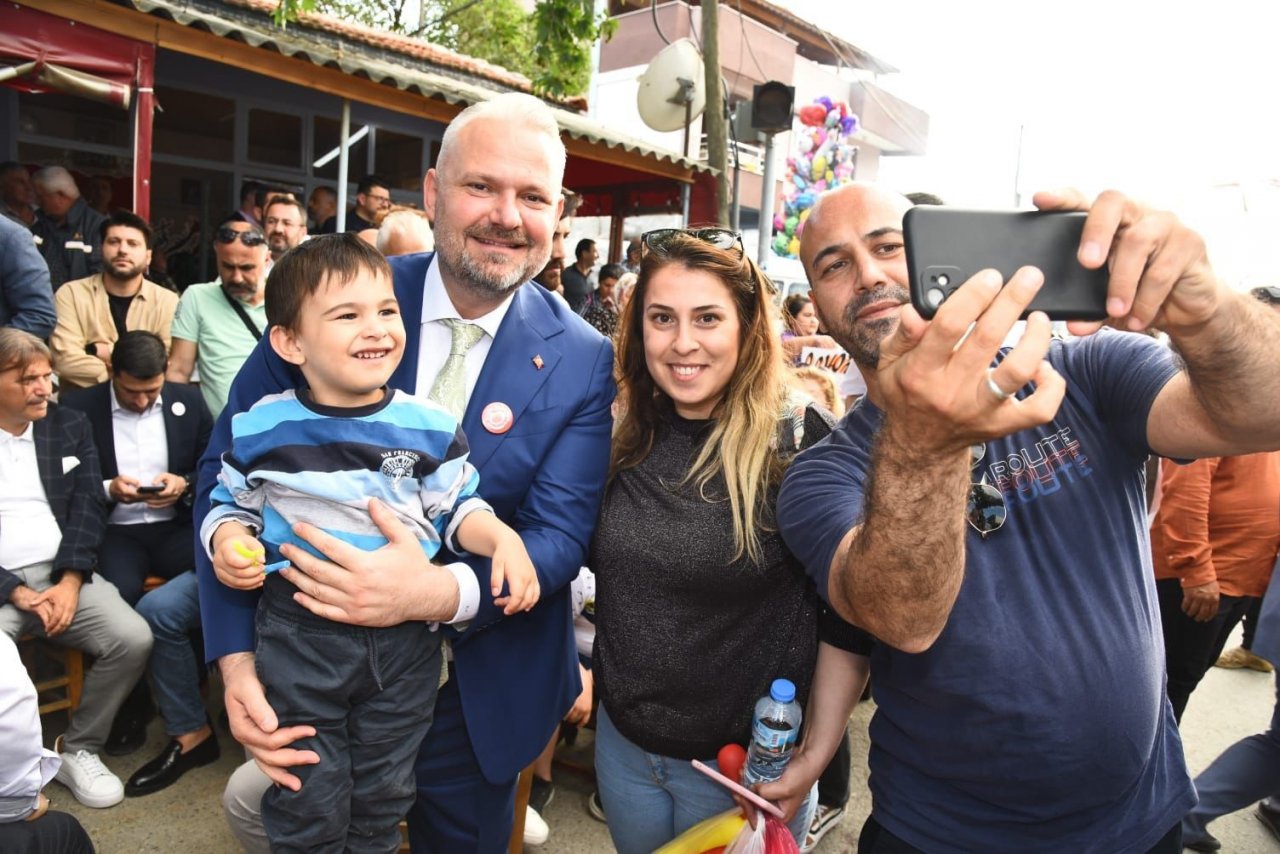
(1000, 394)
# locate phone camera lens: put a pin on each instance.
(935, 296)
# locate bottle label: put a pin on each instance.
(772, 738)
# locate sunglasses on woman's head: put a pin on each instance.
(249, 238)
(986, 510)
(659, 240)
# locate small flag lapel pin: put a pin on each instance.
(537, 362)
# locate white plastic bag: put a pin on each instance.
(749, 840)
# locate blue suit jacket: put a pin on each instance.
(517, 675)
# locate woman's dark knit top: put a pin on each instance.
(686, 639)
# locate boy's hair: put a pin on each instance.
(338, 258)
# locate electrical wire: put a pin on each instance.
(742, 26)
(653, 11)
(888, 109)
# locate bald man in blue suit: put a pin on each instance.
(539, 387)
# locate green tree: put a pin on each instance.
(551, 46)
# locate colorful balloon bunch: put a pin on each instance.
(823, 159)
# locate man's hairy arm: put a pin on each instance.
(914, 507)
(1225, 402)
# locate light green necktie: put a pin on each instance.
(450, 388)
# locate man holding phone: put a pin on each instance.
(150, 435)
(982, 514)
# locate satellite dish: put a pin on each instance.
(673, 80)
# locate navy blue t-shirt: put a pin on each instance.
(1037, 721)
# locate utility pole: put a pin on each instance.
(713, 122)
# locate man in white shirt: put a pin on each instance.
(51, 526)
(26, 823)
(150, 435)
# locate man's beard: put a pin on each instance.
(244, 293)
(491, 273)
(861, 338)
(549, 278)
(124, 274)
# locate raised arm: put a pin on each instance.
(898, 572)
(1225, 402)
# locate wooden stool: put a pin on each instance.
(523, 786)
(72, 680)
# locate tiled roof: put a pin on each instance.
(430, 71)
(412, 48)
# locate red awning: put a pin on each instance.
(39, 76)
(28, 36)
(40, 52)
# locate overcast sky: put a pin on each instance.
(1173, 102)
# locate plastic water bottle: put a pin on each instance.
(774, 731)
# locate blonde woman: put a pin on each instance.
(699, 605)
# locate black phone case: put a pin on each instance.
(945, 246)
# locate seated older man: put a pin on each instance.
(52, 520)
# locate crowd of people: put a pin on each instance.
(401, 486)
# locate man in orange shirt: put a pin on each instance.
(1214, 541)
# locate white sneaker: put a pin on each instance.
(88, 779)
(536, 831)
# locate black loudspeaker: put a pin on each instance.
(771, 106)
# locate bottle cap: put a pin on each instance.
(782, 691)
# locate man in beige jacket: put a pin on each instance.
(94, 312)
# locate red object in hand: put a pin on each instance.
(730, 759)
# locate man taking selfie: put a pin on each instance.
(982, 514)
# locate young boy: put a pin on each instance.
(317, 455)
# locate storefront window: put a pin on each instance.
(275, 139)
(326, 133)
(193, 124)
(71, 118)
(397, 157)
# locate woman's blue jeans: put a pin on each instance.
(649, 799)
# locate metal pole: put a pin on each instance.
(684, 188)
(766, 204)
(344, 135)
(735, 204)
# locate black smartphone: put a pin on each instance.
(945, 246)
(150, 490)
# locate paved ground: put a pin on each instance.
(187, 817)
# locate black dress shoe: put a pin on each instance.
(172, 763)
(1208, 842)
(1270, 816)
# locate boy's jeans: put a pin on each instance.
(370, 694)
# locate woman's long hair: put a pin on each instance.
(743, 444)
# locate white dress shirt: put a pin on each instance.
(142, 452)
(28, 531)
(25, 765)
(435, 342)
